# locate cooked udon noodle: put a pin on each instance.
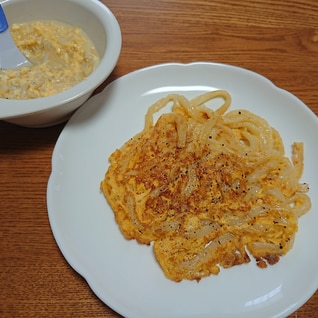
(210, 188)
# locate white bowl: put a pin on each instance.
(102, 28)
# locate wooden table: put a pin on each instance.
(276, 38)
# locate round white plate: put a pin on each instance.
(125, 275)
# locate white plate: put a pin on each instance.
(124, 274)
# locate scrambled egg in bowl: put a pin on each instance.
(62, 56)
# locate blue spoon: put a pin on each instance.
(10, 56)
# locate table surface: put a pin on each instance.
(276, 38)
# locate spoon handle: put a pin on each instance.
(3, 20)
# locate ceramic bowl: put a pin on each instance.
(102, 28)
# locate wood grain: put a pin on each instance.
(278, 39)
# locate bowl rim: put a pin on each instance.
(11, 108)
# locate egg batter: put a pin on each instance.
(62, 56)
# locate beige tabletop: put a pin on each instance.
(276, 38)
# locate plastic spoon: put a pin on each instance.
(10, 55)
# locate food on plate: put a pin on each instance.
(207, 188)
(62, 56)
